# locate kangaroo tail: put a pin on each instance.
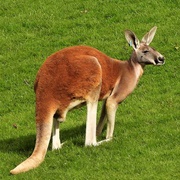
(43, 128)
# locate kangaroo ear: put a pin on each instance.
(149, 36)
(132, 39)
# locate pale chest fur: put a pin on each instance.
(127, 81)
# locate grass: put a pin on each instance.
(146, 142)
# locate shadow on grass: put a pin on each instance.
(25, 144)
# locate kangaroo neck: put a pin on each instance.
(135, 66)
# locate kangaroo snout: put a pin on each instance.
(160, 60)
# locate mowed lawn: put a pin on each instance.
(146, 142)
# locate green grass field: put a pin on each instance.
(146, 142)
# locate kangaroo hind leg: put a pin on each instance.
(110, 109)
(102, 120)
(92, 104)
(56, 142)
(91, 124)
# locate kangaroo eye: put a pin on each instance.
(146, 51)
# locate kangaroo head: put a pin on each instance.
(144, 53)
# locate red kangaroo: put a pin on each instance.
(77, 75)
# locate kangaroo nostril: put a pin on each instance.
(161, 58)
